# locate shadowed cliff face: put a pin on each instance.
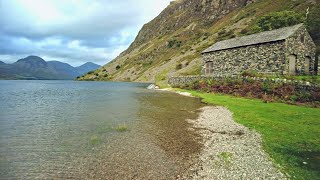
(171, 44)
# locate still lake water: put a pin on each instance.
(68, 130)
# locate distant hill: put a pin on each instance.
(89, 66)
(34, 67)
(64, 68)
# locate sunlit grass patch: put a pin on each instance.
(225, 157)
(121, 128)
(94, 140)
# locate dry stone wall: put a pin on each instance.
(179, 81)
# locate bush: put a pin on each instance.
(244, 31)
(90, 72)
(174, 43)
(178, 66)
(313, 24)
(266, 86)
(223, 35)
(249, 74)
(118, 67)
(276, 20)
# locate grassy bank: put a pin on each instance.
(290, 133)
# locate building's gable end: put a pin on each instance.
(301, 46)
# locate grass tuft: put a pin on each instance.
(94, 140)
(121, 128)
(225, 157)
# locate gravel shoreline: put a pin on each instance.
(231, 151)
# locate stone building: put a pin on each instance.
(288, 50)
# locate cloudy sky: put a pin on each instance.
(72, 31)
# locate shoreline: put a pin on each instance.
(231, 150)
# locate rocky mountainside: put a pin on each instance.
(171, 44)
(34, 67)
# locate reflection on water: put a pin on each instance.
(66, 129)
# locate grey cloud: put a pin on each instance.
(95, 30)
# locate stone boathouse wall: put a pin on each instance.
(264, 58)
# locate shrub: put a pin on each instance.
(174, 43)
(249, 74)
(90, 72)
(222, 32)
(244, 31)
(275, 20)
(118, 67)
(266, 86)
(313, 25)
(178, 66)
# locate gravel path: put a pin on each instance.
(231, 151)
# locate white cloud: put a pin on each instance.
(73, 30)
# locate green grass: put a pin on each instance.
(291, 134)
(225, 157)
(314, 79)
(121, 128)
(161, 79)
(94, 140)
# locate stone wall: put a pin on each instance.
(302, 48)
(263, 58)
(183, 80)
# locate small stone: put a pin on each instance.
(305, 162)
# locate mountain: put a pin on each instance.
(64, 68)
(171, 44)
(1, 63)
(34, 67)
(87, 67)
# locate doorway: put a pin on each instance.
(307, 65)
(292, 64)
(209, 67)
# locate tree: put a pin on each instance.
(313, 24)
(276, 20)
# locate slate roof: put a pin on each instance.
(263, 37)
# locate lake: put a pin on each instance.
(93, 130)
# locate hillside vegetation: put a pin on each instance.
(172, 43)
